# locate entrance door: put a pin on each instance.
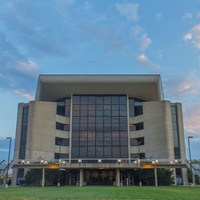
(99, 177)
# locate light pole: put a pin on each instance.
(140, 179)
(6, 178)
(60, 143)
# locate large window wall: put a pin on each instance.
(22, 150)
(99, 126)
(175, 133)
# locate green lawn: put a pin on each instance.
(101, 192)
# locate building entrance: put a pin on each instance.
(99, 177)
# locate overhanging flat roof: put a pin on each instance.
(53, 87)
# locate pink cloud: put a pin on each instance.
(192, 119)
(23, 94)
(193, 36)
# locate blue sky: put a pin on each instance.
(100, 37)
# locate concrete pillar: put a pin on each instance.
(43, 177)
(193, 179)
(156, 177)
(174, 174)
(81, 176)
(14, 177)
(117, 177)
(185, 177)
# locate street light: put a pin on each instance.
(59, 143)
(139, 156)
(6, 178)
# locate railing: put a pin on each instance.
(106, 162)
(192, 168)
(2, 162)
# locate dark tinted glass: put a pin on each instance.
(99, 127)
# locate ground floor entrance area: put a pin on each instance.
(109, 177)
(99, 177)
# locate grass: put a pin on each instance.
(101, 192)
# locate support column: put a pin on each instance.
(156, 178)
(81, 176)
(43, 177)
(174, 173)
(185, 176)
(117, 177)
(193, 179)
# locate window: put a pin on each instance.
(61, 156)
(62, 141)
(136, 127)
(137, 141)
(63, 107)
(62, 127)
(137, 155)
(135, 107)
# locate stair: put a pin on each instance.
(194, 166)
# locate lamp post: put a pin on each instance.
(140, 179)
(6, 178)
(60, 143)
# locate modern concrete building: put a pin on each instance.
(100, 129)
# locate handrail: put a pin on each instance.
(2, 162)
(192, 168)
(8, 165)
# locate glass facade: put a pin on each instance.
(22, 150)
(99, 126)
(175, 133)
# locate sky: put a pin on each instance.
(100, 37)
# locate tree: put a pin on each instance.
(197, 178)
(165, 177)
(1, 180)
(34, 177)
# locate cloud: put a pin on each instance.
(63, 2)
(187, 15)
(129, 10)
(136, 30)
(28, 68)
(188, 36)
(193, 36)
(141, 58)
(186, 89)
(180, 87)
(144, 60)
(144, 42)
(158, 16)
(198, 15)
(87, 5)
(23, 94)
(192, 118)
